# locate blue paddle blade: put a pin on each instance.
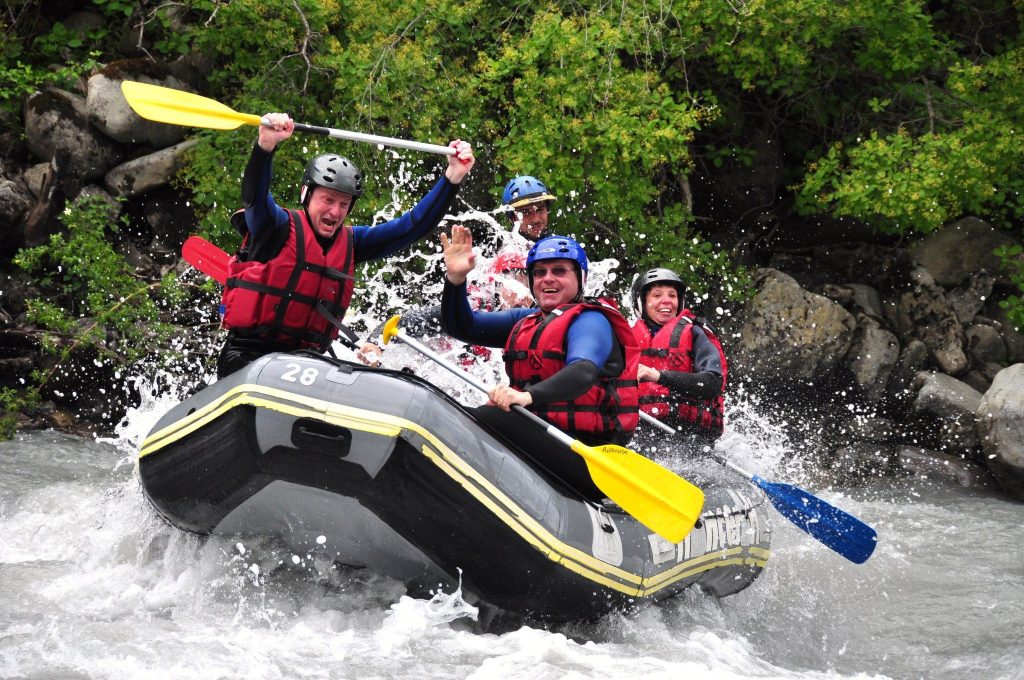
(839, 530)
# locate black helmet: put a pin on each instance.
(332, 172)
(651, 277)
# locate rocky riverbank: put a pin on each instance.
(900, 351)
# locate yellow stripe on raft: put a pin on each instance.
(461, 472)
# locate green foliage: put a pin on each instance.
(1013, 264)
(97, 300)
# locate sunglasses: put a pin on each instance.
(558, 271)
(531, 210)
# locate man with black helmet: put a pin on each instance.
(682, 365)
(294, 263)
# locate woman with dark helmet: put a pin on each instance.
(682, 368)
(571, 360)
(293, 261)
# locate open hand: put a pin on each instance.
(459, 258)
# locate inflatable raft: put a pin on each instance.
(381, 470)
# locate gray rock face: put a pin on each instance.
(791, 333)
(872, 357)
(1000, 422)
(938, 465)
(985, 344)
(142, 174)
(924, 312)
(56, 120)
(959, 250)
(950, 405)
(108, 110)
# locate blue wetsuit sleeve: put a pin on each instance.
(372, 243)
(263, 216)
(489, 329)
(589, 338)
(589, 344)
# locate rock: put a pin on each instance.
(924, 312)
(867, 300)
(790, 333)
(863, 461)
(34, 178)
(912, 359)
(981, 377)
(60, 185)
(985, 344)
(959, 250)
(949, 405)
(110, 112)
(147, 172)
(871, 358)
(57, 121)
(1000, 423)
(15, 202)
(938, 465)
(870, 428)
(969, 299)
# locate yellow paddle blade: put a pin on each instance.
(390, 329)
(658, 498)
(167, 105)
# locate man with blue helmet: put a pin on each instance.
(571, 360)
(529, 199)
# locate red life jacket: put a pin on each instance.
(671, 349)
(535, 350)
(277, 300)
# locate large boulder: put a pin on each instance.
(1000, 422)
(790, 333)
(948, 406)
(139, 175)
(958, 250)
(56, 121)
(109, 111)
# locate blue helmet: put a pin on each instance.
(525, 189)
(559, 248)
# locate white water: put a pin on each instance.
(94, 585)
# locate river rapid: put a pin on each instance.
(93, 584)
(96, 585)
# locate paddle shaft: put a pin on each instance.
(711, 454)
(372, 139)
(178, 107)
(438, 359)
(837, 529)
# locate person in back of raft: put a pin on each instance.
(571, 360)
(682, 369)
(292, 261)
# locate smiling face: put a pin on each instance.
(327, 210)
(554, 283)
(661, 303)
(532, 219)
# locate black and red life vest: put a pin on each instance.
(535, 350)
(671, 349)
(277, 300)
